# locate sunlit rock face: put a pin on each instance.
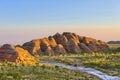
(52, 42)
(67, 42)
(11, 53)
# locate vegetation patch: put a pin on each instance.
(106, 62)
(41, 72)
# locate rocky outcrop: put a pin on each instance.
(87, 40)
(65, 43)
(59, 49)
(36, 46)
(30, 46)
(52, 42)
(24, 57)
(57, 44)
(84, 48)
(8, 52)
(102, 46)
(73, 47)
(46, 46)
(93, 46)
(16, 54)
(70, 35)
(61, 39)
(33, 46)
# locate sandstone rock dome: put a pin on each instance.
(65, 43)
(16, 54)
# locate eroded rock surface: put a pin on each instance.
(73, 46)
(85, 48)
(8, 52)
(66, 42)
(11, 53)
(59, 49)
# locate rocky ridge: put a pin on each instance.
(64, 43)
(53, 45)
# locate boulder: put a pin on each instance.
(45, 46)
(8, 52)
(80, 38)
(48, 51)
(85, 48)
(61, 39)
(92, 46)
(29, 46)
(8, 46)
(52, 41)
(37, 48)
(73, 46)
(33, 46)
(103, 46)
(70, 35)
(87, 40)
(59, 49)
(18, 55)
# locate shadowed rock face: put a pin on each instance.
(46, 46)
(30, 46)
(64, 43)
(92, 46)
(102, 46)
(8, 46)
(70, 35)
(61, 39)
(59, 49)
(8, 52)
(73, 46)
(85, 48)
(33, 46)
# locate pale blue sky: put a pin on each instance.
(23, 20)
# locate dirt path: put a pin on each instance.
(92, 71)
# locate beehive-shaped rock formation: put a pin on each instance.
(8, 52)
(16, 54)
(65, 43)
